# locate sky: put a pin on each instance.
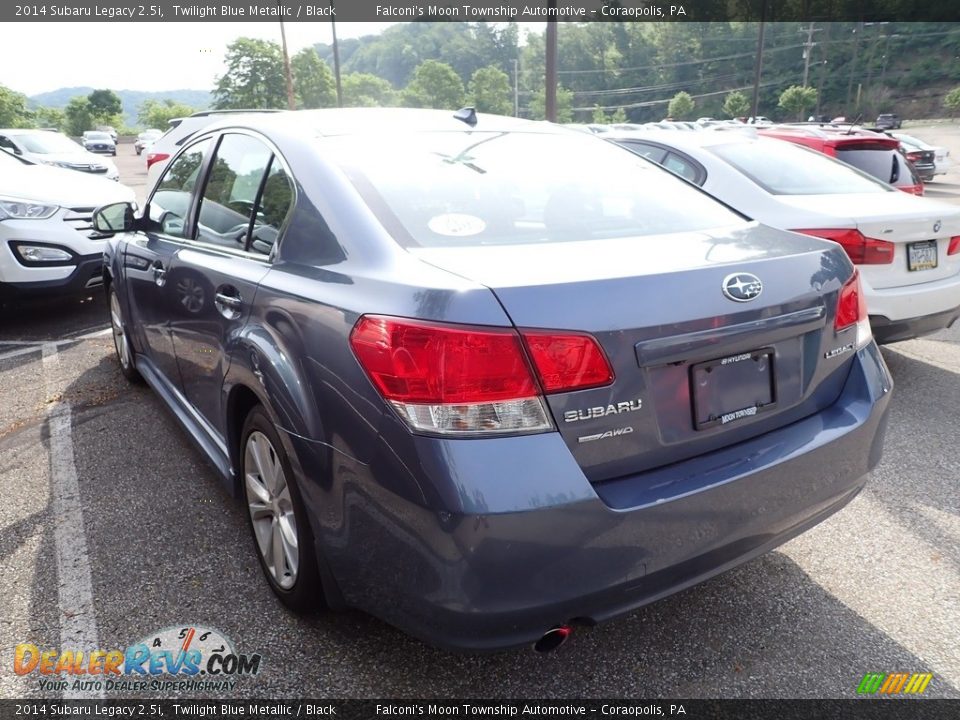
(38, 57)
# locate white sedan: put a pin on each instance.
(907, 247)
(47, 242)
(941, 156)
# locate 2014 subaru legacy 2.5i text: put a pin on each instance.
(487, 378)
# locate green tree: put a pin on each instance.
(736, 104)
(254, 78)
(681, 106)
(491, 91)
(313, 82)
(13, 109)
(599, 116)
(797, 98)
(619, 116)
(434, 85)
(157, 114)
(951, 101)
(366, 90)
(46, 117)
(104, 104)
(538, 105)
(78, 116)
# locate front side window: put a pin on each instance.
(480, 188)
(230, 195)
(171, 200)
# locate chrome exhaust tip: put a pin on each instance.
(553, 639)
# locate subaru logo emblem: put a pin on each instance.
(742, 286)
(937, 226)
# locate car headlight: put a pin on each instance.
(15, 209)
(42, 254)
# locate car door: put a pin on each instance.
(149, 258)
(215, 278)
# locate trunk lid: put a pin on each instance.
(657, 307)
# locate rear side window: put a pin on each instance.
(782, 168)
(479, 188)
(650, 152)
(274, 205)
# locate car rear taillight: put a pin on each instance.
(473, 380)
(954, 247)
(852, 310)
(155, 158)
(915, 156)
(567, 362)
(860, 249)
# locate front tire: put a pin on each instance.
(121, 341)
(277, 518)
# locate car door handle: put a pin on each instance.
(231, 301)
(159, 274)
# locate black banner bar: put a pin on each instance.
(854, 709)
(482, 10)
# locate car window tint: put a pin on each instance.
(881, 162)
(440, 189)
(650, 152)
(680, 166)
(171, 200)
(230, 194)
(276, 200)
(782, 168)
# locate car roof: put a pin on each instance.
(703, 138)
(385, 121)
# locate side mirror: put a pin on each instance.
(114, 218)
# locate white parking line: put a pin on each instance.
(25, 347)
(78, 621)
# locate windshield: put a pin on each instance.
(782, 168)
(43, 143)
(479, 188)
(99, 136)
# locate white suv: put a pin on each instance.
(180, 130)
(47, 241)
(54, 148)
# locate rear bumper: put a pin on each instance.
(503, 539)
(913, 303)
(888, 331)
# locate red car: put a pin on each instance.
(873, 153)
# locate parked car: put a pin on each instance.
(99, 142)
(889, 121)
(923, 161)
(874, 153)
(941, 156)
(146, 139)
(110, 130)
(906, 248)
(181, 130)
(47, 242)
(54, 148)
(487, 378)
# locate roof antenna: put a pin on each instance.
(467, 115)
(855, 122)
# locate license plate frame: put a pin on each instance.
(918, 256)
(733, 388)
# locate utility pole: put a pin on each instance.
(516, 87)
(551, 64)
(291, 102)
(758, 65)
(336, 56)
(808, 51)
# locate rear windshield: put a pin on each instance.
(883, 164)
(782, 168)
(479, 188)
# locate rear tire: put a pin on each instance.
(121, 340)
(276, 516)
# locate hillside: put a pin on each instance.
(131, 99)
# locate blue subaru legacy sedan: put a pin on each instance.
(488, 379)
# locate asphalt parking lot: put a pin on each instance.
(113, 526)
